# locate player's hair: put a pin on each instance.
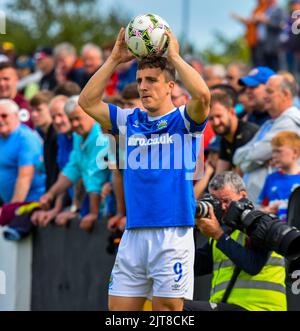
(130, 91)
(227, 178)
(286, 138)
(41, 97)
(153, 62)
(222, 98)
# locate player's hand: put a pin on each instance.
(88, 221)
(173, 48)
(210, 226)
(120, 52)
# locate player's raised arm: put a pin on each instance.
(198, 106)
(91, 97)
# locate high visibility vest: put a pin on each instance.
(265, 291)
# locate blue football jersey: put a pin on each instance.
(161, 154)
(278, 188)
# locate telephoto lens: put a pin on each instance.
(265, 230)
(202, 207)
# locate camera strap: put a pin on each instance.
(232, 281)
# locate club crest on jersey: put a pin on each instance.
(136, 124)
(162, 124)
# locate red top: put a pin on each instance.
(25, 110)
(208, 134)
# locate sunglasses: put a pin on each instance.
(228, 77)
(253, 87)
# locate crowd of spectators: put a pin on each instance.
(49, 148)
(271, 34)
(54, 155)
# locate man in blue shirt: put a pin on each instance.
(60, 155)
(156, 253)
(21, 156)
(83, 163)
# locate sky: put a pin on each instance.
(205, 16)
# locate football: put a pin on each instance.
(145, 35)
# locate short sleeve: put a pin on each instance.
(118, 117)
(31, 151)
(191, 126)
(72, 169)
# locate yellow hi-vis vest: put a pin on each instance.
(265, 291)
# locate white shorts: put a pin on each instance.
(155, 262)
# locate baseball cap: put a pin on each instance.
(24, 61)
(257, 76)
(43, 52)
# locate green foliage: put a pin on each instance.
(32, 23)
(225, 50)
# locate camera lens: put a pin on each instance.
(202, 208)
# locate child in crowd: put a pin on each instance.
(279, 185)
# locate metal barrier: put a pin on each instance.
(71, 268)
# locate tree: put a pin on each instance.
(225, 50)
(32, 23)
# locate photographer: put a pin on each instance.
(256, 277)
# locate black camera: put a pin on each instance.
(202, 207)
(264, 230)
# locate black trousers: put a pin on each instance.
(207, 306)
